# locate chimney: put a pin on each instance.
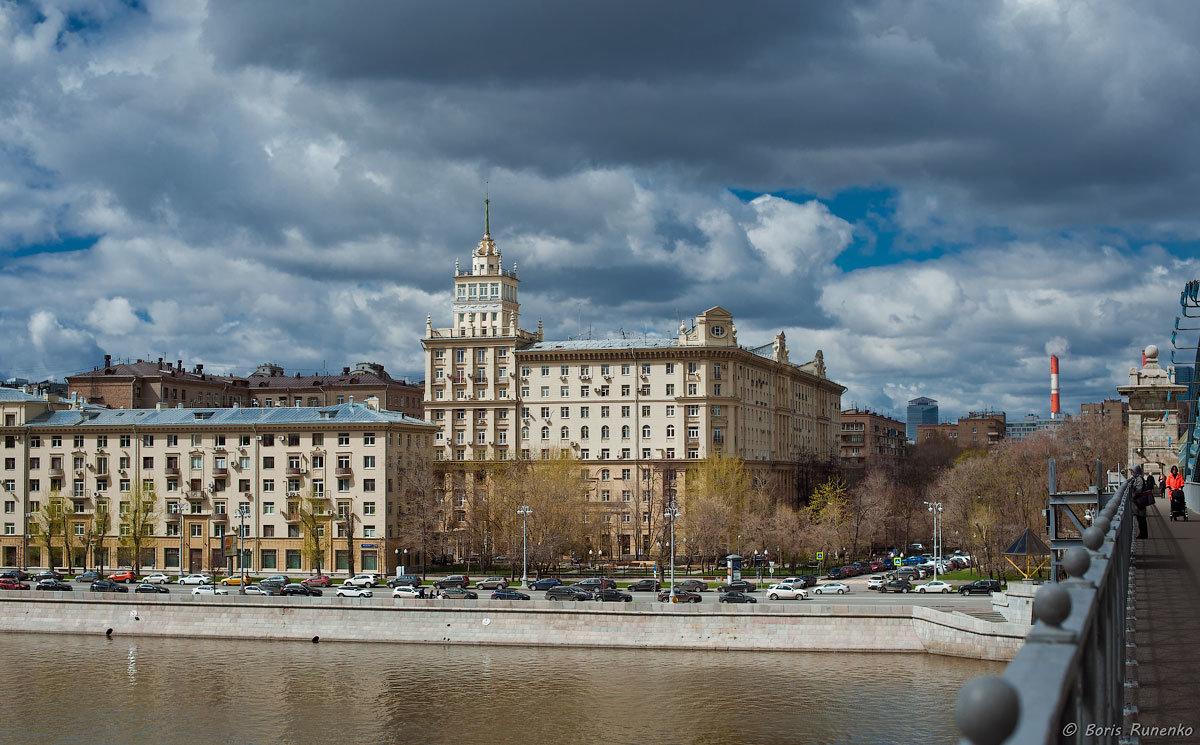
(108, 360)
(345, 371)
(199, 369)
(372, 403)
(179, 365)
(160, 363)
(1054, 410)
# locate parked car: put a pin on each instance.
(235, 580)
(88, 577)
(836, 573)
(874, 583)
(980, 587)
(545, 583)
(347, 590)
(839, 588)
(257, 590)
(878, 566)
(127, 577)
(272, 586)
(681, 596)
(786, 591)
(804, 580)
(405, 580)
(280, 579)
(196, 579)
(209, 590)
(850, 571)
(107, 585)
(459, 593)
(362, 580)
(317, 580)
(454, 580)
(568, 592)
(596, 583)
(53, 585)
(896, 585)
(612, 595)
(19, 575)
(492, 583)
(738, 585)
(48, 574)
(736, 597)
(157, 579)
(408, 591)
(691, 585)
(645, 585)
(935, 586)
(506, 594)
(146, 587)
(299, 588)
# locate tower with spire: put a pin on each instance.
(485, 299)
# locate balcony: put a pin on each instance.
(172, 470)
(195, 495)
(56, 472)
(219, 471)
(293, 471)
(343, 471)
(291, 517)
(174, 517)
(220, 517)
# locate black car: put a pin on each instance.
(16, 574)
(568, 592)
(454, 580)
(691, 585)
(896, 585)
(404, 580)
(296, 588)
(506, 594)
(88, 577)
(681, 596)
(980, 587)
(147, 587)
(272, 586)
(545, 583)
(455, 592)
(645, 585)
(734, 596)
(107, 585)
(836, 573)
(612, 595)
(738, 585)
(49, 574)
(808, 580)
(596, 583)
(52, 585)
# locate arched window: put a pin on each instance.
(625, 432)
(545, 433)
(524, 433)
(646, 430)
(670, 430)
(584, 432)
(604, 432)
(565, 433)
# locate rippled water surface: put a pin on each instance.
(75, 689)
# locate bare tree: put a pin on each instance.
(137, 517)
(95, 530)
(48, 522)
(313, 510)
(421, 508)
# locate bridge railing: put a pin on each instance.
(1067, 682)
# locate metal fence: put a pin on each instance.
(1067, 683)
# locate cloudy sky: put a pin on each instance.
(935, 194)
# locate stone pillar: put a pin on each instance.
(1153, 424)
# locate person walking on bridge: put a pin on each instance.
(1174, 480)
(1143, 496)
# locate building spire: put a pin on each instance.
(487, 218)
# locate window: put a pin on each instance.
(368, 508)
(604, 411)
(625, 411)
(268, 508)
(369, 485)
(545, 370)
(605, 495)
(564, 412)
(670, 368)
(545, 433)
(368, 461)
(625, 432)
(197, 530)
(545, 391)
(624, 369)
(35, 441)
(604, 473)
(691, 367)
(626, 518)
(604, 432)
(564, 391)
(368, 438)
(564, 434)
(691, 389)
(268, 485)
(147, 441)
(368, 531)
(624, 390)
(625, 495)
(584, 433)
(56, 441)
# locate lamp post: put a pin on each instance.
(671, 513)
(25, 542)
(524, 511)
(935, 508)
(242, 513)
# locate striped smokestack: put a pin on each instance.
(1054, 410)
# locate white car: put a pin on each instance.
(196, 579)
(404, 591)
(209, 590)
(874, 583)
(935, 586)
(348, 590)
(256, 590)
(839, 588)
(157, 579)
(786, 591)
(362, 580)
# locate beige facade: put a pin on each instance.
(202, 465)
(636, 412)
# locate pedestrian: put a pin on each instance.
(1143, 491)
(1174, 481)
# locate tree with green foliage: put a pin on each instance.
(314, 514)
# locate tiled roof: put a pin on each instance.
(314, 381)
(648, 342)
(13, 394)
(355, 413)
(145, 370)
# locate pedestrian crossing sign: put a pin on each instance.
(896, 561)
(820, 556)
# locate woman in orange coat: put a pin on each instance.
(1174, 480)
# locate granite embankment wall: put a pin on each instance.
(801, 627)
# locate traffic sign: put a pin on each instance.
(820, 556)
(896, 561)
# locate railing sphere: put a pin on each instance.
(987, 710)
(1093, 537)
(1077, 560)
(1104, 524)
(1052, 605)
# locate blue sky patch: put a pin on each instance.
(66, 245)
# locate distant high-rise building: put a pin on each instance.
(920, 411)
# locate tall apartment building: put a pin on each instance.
(977, 429)
(634, 411)
(146, 384)
(871, 439)
(921, 411)
(202, 466)
(1110, 409)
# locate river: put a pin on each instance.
(89, 689)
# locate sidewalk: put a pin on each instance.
(1167, 593)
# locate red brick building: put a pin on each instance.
(977, 429)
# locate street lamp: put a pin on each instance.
(935, 508)
(242, 513)
(25, 542)
(524, 511)
(671, 513)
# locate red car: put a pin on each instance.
(12, 584)
(126, 577)
(318, 580)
